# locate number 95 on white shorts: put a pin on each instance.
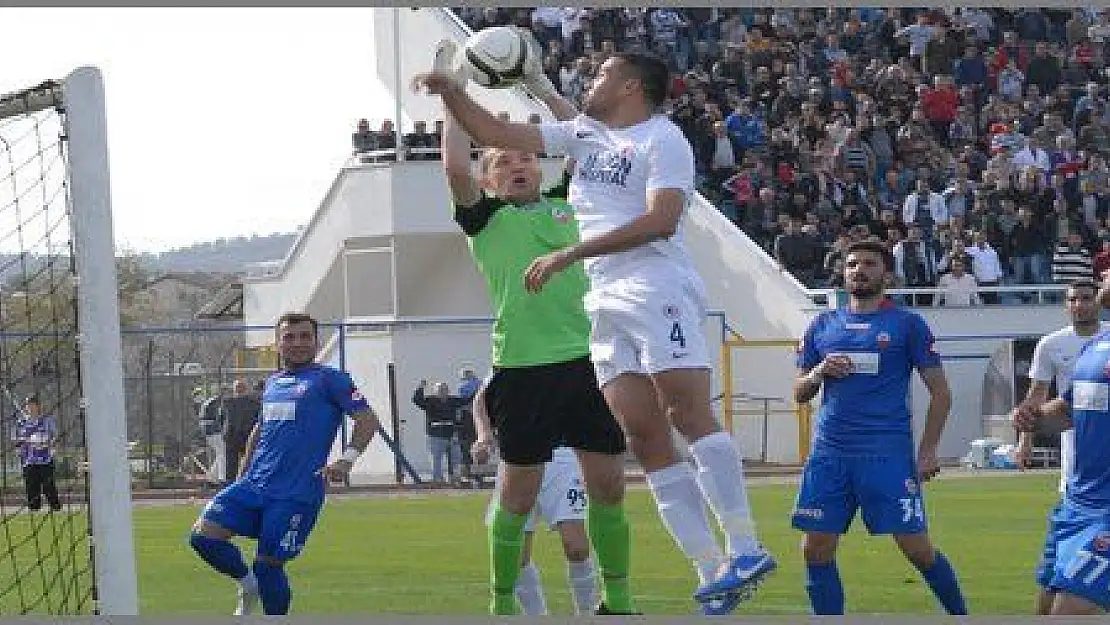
(562, 495)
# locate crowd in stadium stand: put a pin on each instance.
(979, 135)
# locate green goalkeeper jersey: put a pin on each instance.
(530, 328)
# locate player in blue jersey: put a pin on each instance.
(863, 449)
(1075, 566)
(281, 488)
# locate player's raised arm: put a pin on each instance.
(456, 143)
(456, 164)
(537, 82)
(479, 123)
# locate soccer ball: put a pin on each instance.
(497, 57)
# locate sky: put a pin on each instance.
(222, 122)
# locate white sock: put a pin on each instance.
(529, 591)
(248, 582)
(721, 476)
(582, 577)
(682, 510)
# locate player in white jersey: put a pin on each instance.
(632, 181)
(1053, 361)
(561, 503)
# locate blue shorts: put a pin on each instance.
(1078, 562)
(884, 489)
(1046, 568)
(281, 526)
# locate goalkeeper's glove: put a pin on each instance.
(447, 62)
(535, 80)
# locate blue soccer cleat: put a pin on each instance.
(725, 604)
(743, 573)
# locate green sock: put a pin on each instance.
(506, 537)
(611, 538)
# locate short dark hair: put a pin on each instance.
(652, 72)
(293, 318)
(875, 248)
(1083, 283)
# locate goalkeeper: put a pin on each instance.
(543, 392)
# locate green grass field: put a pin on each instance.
(426, 554)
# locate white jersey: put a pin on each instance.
(614, 170)
(1054, 360)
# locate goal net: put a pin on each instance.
(65, 525)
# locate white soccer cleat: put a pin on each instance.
(248, 596)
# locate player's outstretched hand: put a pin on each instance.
(1025, 418)
(336, 471)
(480, 451)
(535, 79)
(446, 61)
(836, 366)
(541, 269)
(928, 466)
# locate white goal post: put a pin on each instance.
(80, 96)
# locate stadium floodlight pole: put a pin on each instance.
(100, 343)
(398, 86)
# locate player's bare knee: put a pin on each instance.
(604, 476)
(520, 487)
(576, 546)
(819, 548)
(209, 529)
(269, 560)
(917, 548)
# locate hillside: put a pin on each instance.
(220, 256)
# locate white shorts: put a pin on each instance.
(647, 328)
(562, 495)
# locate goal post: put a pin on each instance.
(100, 343)
(60, 344)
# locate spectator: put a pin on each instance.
(1028, 244)
(421, 143)
(924, 208)
(795, 251)
(985, 265)
(915, 261)
(469, 384)
(441, 420)
(363, 139)
(1072, 260)
(1101, 262)
(240, 414)
(958, 288)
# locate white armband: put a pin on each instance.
(815, 376)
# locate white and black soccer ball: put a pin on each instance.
(497, 57)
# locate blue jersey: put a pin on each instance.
(35, 436)
(1088, 488)
(867, 412)
(302, 411)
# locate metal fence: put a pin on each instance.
(168, 375)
